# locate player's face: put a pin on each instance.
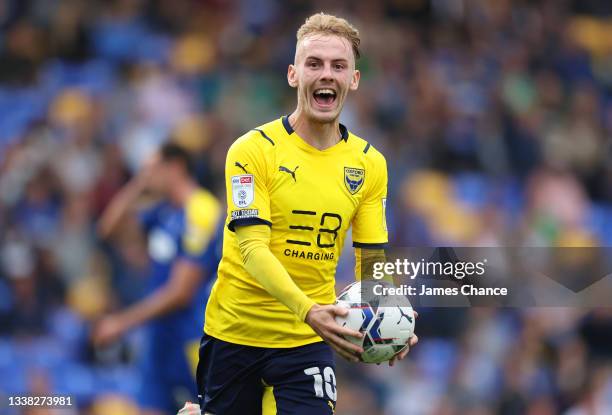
(323, 73)
(162, 178)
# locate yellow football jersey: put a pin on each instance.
(309, 198)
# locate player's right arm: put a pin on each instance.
(124, 201)
(269, 272)
(247, 177)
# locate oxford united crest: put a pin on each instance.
(353, 179)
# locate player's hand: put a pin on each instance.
(190, 409)
(411, 342)
(322, 319)
(147, 171)
(108, 330)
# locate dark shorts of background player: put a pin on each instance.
(232, 377)
(166, 372)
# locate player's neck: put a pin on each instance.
(319, 135)
(181, 191)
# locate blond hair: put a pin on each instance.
(328, 24)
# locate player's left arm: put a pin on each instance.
(175, 294)
(370, 235)
(188, 272)
(369, 223)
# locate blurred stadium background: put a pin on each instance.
(495, 118)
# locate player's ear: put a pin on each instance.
(355, 80)
(292, 76)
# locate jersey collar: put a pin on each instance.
(344, 134)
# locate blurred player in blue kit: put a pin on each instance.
(181, 232)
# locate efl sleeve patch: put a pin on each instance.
(243, 190)
(245, 214)
(246, 182)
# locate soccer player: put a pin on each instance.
(294, 187)
(181, 233)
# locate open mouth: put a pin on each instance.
(324, 97)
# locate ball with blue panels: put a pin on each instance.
(387, 321)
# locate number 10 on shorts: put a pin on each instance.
(330, 381)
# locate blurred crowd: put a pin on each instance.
(495, 118)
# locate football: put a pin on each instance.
(386, 320)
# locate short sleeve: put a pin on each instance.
(369, 223)
(202, 214)
(246, 181)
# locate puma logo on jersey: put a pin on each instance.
(286, 170)
(242, 167)
(331, 405)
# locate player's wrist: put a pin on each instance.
(310, 310)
